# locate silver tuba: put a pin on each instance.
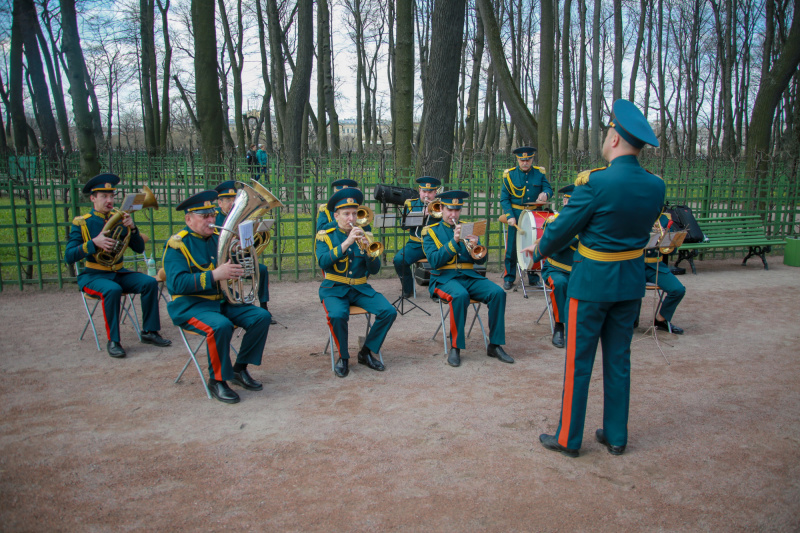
(250, 204)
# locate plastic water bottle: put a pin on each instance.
(151, 267)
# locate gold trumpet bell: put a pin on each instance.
(364, 216)
(435, 209)
(475, 251)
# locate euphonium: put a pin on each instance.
(114, 228)
(435, 209)
(249, 204)
(477, 251)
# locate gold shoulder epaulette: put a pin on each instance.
(506, 171)
(81, 220)
(322, 208)
(583, 177)
(321, 235)
(424, 231)
(551, 217)
(541, 169)
(409, 201)
(176, 240)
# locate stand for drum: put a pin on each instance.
(660, 241)
(529, 228)
(411, 220)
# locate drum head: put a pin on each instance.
(527, 223)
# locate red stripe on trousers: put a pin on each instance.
(569, 374)
(330, 326)
(554, 305)
(99, 295)
(453, 327)
(216, 362)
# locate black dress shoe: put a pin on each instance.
(341, 369)
(154, 338)
(558, 336)
(507, 285)
(613, 450)
(365, 358)
(664, 325)
(246, 381)
(272, 321)
(115, 349)
(551, 443)
(497, 351)
(535, 281)
(222, 392)
(454, 357)
(408, 295)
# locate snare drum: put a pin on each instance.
(532, 223)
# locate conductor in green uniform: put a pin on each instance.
(412, 251)
(108, 283)
(555, 273)
(346, 269)
(454, 280)
(523, 185)
(198, 305)
(226, 195)
(612, 210)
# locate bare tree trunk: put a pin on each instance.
(327, 52)
(594, 146)
(523, 119)
(300, 87)
(546, 84)
(447, 32)
(237, 64)
(76, 72)
(277, 68)
(322, 37)
(638, 51)
(565, 73)
(149, 76)
(265, 112)
(165, 109)
(581, 100)
(474, 87)
(54, 77)
(404, 88)
(15, 87)
(618, 45)
(209, 106)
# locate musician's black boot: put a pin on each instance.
(115, 349)
(243, 378)
(154, 338)
(551, 443)
(341, 369)
(272, 318)
(365, 358)
(613, 450)
(222, 392)
(665, 325)
(507, 285)
(495, 350)
(558, 335)
(534, 280)
(454, 357)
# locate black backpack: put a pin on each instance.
(683, 219)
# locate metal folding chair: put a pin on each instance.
(476, 307)
(354, 310)
(126, 307)
(193, 356)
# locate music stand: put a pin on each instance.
(658, 241)
(412, 219)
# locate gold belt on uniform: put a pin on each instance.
(562, 266)
(98, 266)
(608, 256)
(459, 266)
(527, 207)
(346, 280)
(204, 296)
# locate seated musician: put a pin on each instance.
(109, 280)
(555, 272)
(674, 289)
(325, 217)
(454, 280)
(347, 268)
(198, 305)
(226, 195)
(412, 251)
(522, 185)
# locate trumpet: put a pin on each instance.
(367, 243)
(435, 209)
(364, 216)
(476, 251)
(114, 228)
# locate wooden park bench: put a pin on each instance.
(731, 232)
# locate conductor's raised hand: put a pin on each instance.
(228, 271)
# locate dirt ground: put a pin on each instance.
(92, 443)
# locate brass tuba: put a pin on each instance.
(114, 228)
(250, 204)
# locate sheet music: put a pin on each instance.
(246, 234)
(653, 242)
(132, 202)
(474, 228)
(414, 219)
(265, 225)
(385, 221)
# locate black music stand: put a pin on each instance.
(658, 241)
(400, 302)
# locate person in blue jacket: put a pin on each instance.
(612, 210)
(193, 277)
(412, 251)
(347, 269)
(454, 280)
(523, 186)
(226, 195)
(263, 163)
(108, 283)
(555, 273)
